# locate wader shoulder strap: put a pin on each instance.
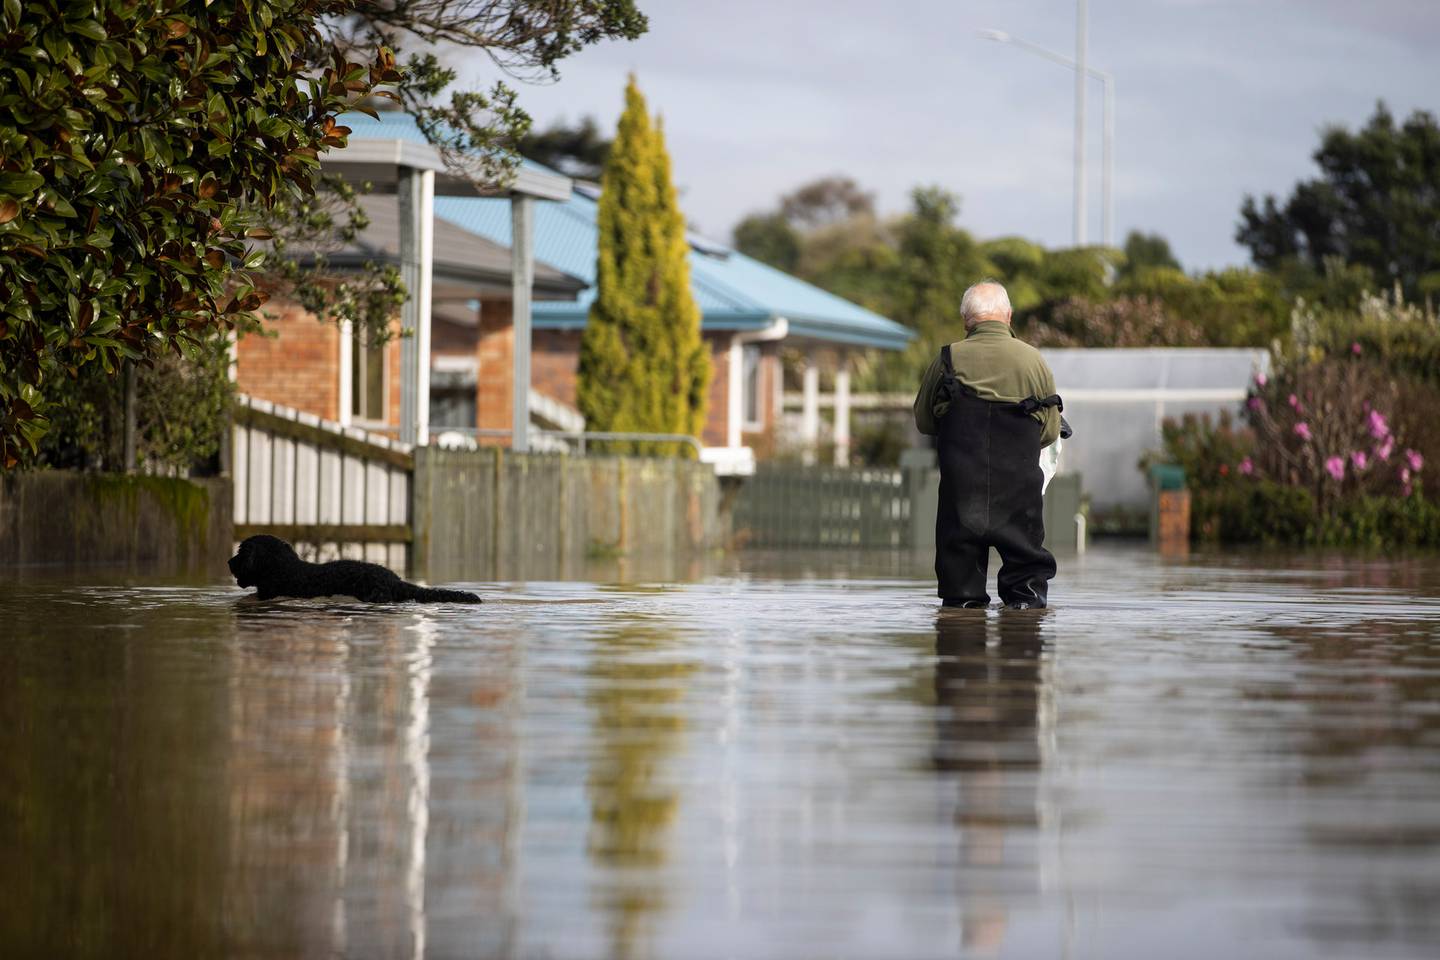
(950, 385)
(1032, 404)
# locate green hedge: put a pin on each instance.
(1260, 511)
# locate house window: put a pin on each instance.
(750, 387)
(367, 379)
(452, 392)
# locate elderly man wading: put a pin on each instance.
(991, 401)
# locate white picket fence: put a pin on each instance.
(332, 491)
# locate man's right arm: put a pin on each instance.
(925, 399)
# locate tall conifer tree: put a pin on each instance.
(643, 365)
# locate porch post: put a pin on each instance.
(735, 383)
(416, 195)
(522, 278)
(810, 410)
(842, 412)
(347, 373)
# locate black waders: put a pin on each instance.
(990, 496)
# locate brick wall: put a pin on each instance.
(495, 350)
(554, 362)
(717, 416)
(448, 337)
(296, 362)
(300, 367)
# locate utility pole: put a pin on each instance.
(1080, 28)
(1107, 186)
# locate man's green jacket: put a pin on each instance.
(997, 366)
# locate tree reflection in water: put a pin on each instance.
(987, 694)
(637, 683)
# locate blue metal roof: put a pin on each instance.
(392, 125)
(733, 291)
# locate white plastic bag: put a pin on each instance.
(1050, 463)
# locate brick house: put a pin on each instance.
(319, 367)
(750, 312)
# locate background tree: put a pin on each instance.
(643, 364)
(1144, 251)
(577, 151)
(937, 260)
(769, 238)
(827, 204)
(913, 268)
(1375, 205)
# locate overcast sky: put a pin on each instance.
(1216, 98)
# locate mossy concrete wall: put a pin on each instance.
(492, 514)
(149, 524)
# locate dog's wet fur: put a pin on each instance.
(274, 569)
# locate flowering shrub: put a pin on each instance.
(1333, 446)
(1324, 457)
(1210, 452)
(1329, 427)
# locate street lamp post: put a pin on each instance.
(1107, 181)
(1080, 28)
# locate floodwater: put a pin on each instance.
(792, 757)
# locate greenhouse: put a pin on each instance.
(1116, 401)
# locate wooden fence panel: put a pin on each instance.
(331, 490)
(790, 506)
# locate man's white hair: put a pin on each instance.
(986, 300)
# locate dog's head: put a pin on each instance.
(260, 558)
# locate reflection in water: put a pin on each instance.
(1237, 756)
(636, 690)
(113, 776)
(1371, 693)
(328, 756)
(987, 695)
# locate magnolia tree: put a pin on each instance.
(141, 142)
(150, 148)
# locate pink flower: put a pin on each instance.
(1355, 348)
(1302, 430)
(1379, 429)
(1247, 466)
(1294, 401)
(1405, 485)
(1384, 448)
(1254, 403)
(1261, 380)
(1335, 466)
(1413, 458)
(1359, 460)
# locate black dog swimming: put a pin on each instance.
(272, 567)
